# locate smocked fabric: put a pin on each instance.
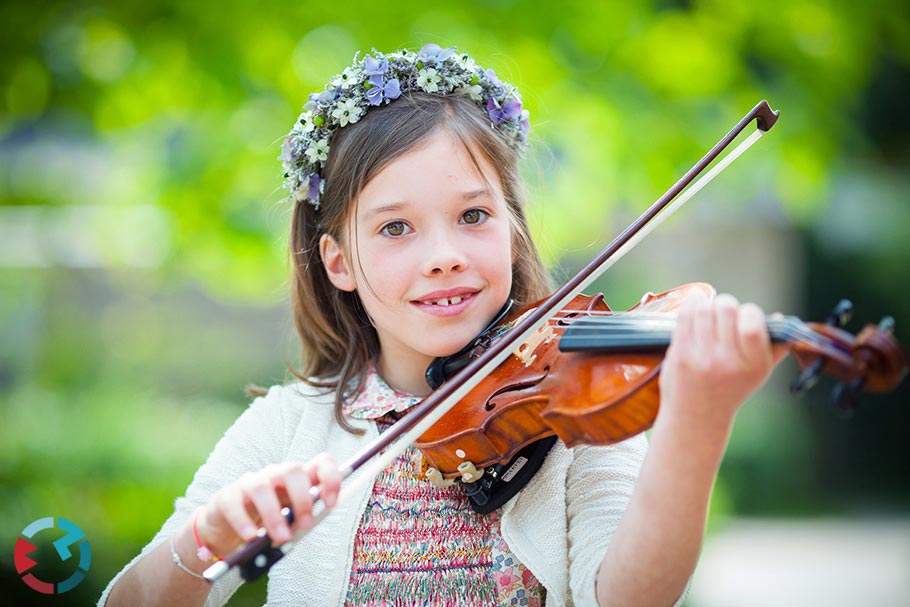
(419, 544)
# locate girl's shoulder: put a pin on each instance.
(297, 396)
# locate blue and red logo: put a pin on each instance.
(73, 538)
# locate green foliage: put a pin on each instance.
(142, 139)
(183, 109)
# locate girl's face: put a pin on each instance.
(430, 255)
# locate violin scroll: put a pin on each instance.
(872, 360)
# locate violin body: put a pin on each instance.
(539, 391)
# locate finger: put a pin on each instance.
(230, 503)
(779, 352)
(259, 489)
(297, 484)
(329, 478)
(704, 331)
(754, 340)
(681, 340)
(726, 312)
(780, 349)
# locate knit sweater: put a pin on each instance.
(559, 525)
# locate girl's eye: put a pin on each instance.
(473, 216)
(395, 228)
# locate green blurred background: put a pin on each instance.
(143, 273)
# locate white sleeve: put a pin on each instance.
(599, 486)
(258, 437)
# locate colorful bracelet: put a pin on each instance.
(204, 553)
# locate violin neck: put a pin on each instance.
(652, 333)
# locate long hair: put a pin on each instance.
(336, 335)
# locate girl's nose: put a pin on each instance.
(444, 257)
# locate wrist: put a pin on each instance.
(688, 418)
(183, 552)
(700, 438)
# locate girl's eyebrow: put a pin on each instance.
(472, 194)
(397, 206)
(386, 208)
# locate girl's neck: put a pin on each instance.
(407, 376)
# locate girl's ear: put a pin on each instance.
(336, 264)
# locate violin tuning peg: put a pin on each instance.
(841, 313)
(886, 325)
(846, 397)
(808, 378)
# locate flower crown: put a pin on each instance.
(377, 80)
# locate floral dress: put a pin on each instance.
(419, 544)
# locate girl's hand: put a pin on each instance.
(720, 353)
(236, 512)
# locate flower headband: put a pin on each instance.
(377, 80)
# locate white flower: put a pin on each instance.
(305, 123)
(428, 80)
(472, 91)
(318, 152)
(465, 62)
(348, 78)
(347, 111)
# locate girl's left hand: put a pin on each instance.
(720, 354)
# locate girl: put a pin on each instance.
(408, 236)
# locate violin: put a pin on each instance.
(590, 376)
(569, 367)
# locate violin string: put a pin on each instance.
(623, 329)
(627, 326)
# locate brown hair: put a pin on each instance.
(337, 337)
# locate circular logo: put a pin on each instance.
(73, 537)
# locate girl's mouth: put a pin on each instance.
(446, 306)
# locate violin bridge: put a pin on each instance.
(526, 352)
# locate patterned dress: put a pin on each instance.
(423, 545)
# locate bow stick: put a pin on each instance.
(259, 555)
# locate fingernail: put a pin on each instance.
(249, 532)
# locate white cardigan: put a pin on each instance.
(559, 525)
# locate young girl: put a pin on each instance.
(408, 236)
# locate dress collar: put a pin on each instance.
(376, 398)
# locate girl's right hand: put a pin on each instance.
(234, 515)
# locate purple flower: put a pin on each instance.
(429, 51)
(392, 89)
(433, 53)
(313, 188)
(379, 90)
(310, 105)
(371, 67)
(287, 149)
(508, 111)
(491, 77)
(525, 124)
(511, 109)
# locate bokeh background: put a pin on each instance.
(143, 270)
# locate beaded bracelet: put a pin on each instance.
(204, 553)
